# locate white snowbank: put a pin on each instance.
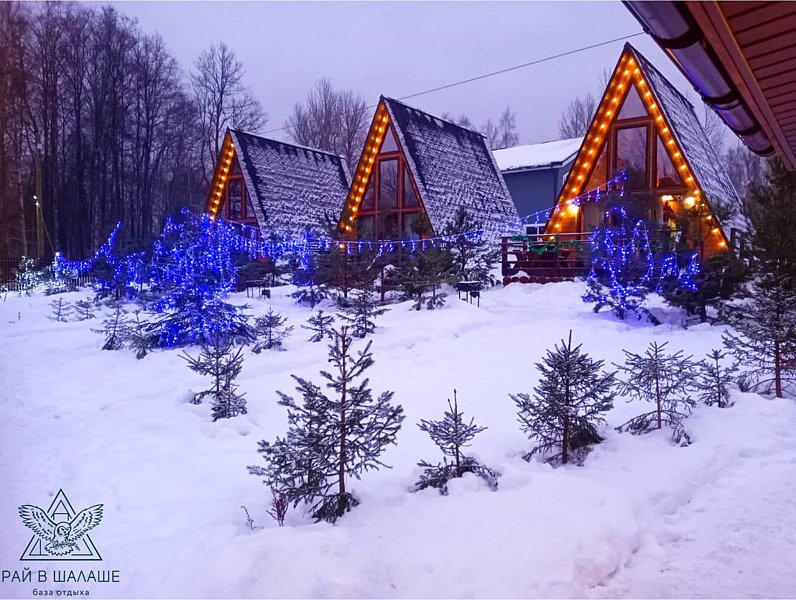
(641, 518)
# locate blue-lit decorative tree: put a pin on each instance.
(622, 265)
(192, 271)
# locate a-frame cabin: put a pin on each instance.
(281, 188)
(414, 173)
(646, 139)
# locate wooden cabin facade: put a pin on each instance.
(280, 188)
(415, 172)
(646, 134)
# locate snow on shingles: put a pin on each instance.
(294, 187)
(452, 167)
(707, 166)
(530, 156)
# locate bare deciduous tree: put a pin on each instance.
(500, 134)
(101, 113)
(745, 168)
(715, 129)
(331, 120)
(222, 100)
(576, 117)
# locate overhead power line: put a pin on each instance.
(538, 61)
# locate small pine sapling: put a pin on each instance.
(271, 332)
(114, 328)
(84, 309)
(218, 361)
(321, 326)
(451, 434)
(567, 405)
(665, 380)
(61, 310)
(712, 380)
(139, 335)
(360, 312)
(332, 437)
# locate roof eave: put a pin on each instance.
(712, 47)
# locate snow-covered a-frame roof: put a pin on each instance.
(290, 187)
(706, 164)
(679, 162)
(453, 167)
(537, 156)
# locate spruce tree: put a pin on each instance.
(306, 273)
(27, 277)
(361, 311)
(766, 346)
(451, 434)
(139, 335)
(421, 276)
(567, 405)
(271, 332)
(114, 328)
(193, 269)
(61, 310)
(665, 380)
(472, 257)
(333, 436)
(712, 380)
(623, 262)
(695, 286)
(218, 361)
(84, 309)
(321, 325)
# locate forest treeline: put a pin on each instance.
(100, 123)
(98, 119)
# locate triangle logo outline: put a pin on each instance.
(59, 508)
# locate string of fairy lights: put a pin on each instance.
(242, 238)
(626, 74)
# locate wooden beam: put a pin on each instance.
(718, 32)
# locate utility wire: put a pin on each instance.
(506, 70)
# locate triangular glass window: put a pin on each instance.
(389, 144)
(367, 199)
(631, 156)
(410, 199)
(598, 175)
(632, 107)
(667, 175)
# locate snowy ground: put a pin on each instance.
(641, 518)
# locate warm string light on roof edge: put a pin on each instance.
(363, 172)
(225, 164)
(625, 75)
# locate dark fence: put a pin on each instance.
(10, 266)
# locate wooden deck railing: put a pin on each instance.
(542, 258)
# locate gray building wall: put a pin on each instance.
(536, 189)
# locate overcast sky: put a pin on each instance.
(399, 48)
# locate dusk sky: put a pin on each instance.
(400, 48)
